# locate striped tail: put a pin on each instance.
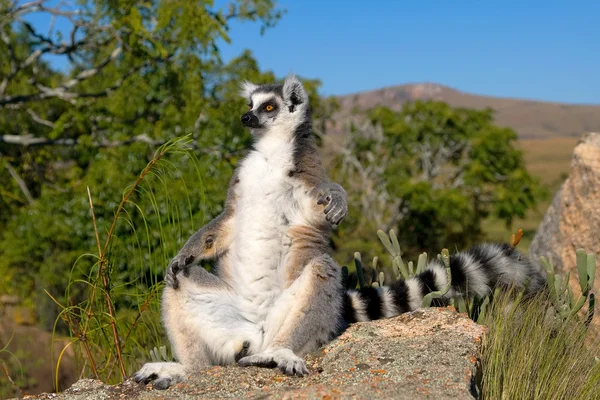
(475, 272)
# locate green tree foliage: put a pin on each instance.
(432, 173)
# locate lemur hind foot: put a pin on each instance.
(284, 359)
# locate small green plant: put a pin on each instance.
(561, 293)
(393, 247)
(359, 270)
(160, 354)
(445, 258)
(400, 269)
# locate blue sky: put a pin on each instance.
(545, 50)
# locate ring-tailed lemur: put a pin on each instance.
(276, 293)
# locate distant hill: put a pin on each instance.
(530, 119)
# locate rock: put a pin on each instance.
(9, 300)
(426, 354)
(30, 359)
(22, 316)
(573, 219)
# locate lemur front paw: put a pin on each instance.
(180, 263)
(334, 199)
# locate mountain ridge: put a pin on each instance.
(529, 118)
(448, 87)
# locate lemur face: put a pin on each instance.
(277, 108)
(263, 110)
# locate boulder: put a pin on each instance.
(573, 219)
(427, 354)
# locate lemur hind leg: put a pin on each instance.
(303, 318)
(204, 326)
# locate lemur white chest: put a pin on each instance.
(266, 192)
(268, 202)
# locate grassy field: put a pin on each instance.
(549, 160)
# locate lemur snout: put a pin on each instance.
(250, 120)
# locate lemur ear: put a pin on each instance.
(294, 93)
(247, 88)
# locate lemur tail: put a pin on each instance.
(474, 272)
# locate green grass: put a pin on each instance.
(528, 353)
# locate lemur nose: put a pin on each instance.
(245, 118)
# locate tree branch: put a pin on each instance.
(20, 182)
(62, 92)
(36, 117)
(29, 140)
(96, 36)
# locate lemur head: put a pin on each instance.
(275, 107)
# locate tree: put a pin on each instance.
(432, 173)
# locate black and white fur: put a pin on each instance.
(276, 293)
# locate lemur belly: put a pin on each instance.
(268, 206)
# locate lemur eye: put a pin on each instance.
(249, 107)
(269, 107)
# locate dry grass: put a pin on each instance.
(529, 354)
(548, 159)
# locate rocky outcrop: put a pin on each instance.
(426, 354)
(573, 219)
